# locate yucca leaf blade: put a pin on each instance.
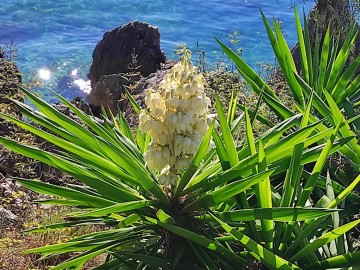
(281, 214)
(227, 136)
(118, 208)
(258, 251)
(227, 191)
(324, 239)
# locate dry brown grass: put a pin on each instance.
(13, 240)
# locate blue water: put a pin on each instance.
(59, 36)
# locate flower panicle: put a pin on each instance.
(176, 117)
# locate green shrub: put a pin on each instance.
(326, 74)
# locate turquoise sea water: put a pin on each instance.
(55, 39)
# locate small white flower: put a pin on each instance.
(184, 123)
(172, 103)
(201, 126)
(163, 139)
(182, 163)
(180, 91)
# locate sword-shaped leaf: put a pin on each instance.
(118, 208)
(324, 239)
(260, 253)
(340, 261)
(282, 214)
(227, 191)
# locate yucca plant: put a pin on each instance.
(326, 73)
(233, 206)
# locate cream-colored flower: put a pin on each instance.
(201, 126)
(167, 177)
(156, 105)
(172, 103)
(180, 91)
(183, 163)
(163, 139)
(157, 157)
(176, 119)
(184, 123)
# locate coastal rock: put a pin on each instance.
(109, 91)
(132, 47)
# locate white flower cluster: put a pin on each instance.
(176, 118)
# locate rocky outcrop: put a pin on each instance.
(109, 91)
(132, 47)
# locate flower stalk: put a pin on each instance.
(176, 117)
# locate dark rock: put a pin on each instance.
(79, 103)
(109, 91)
(10, 78)
(115, 53)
